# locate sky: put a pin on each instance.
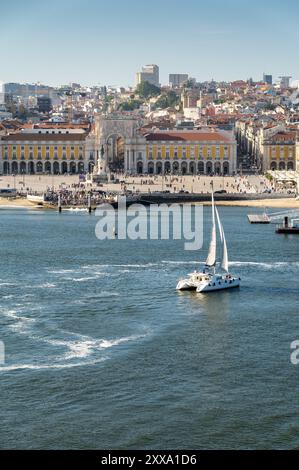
(105, 42)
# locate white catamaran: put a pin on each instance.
(208, 280)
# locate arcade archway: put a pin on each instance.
(115, 147)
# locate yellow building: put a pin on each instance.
(51, 151)
(208, 151)
(279, 152)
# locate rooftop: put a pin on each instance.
(26, 136)
(189, 136)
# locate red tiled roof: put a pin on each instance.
(24, 136)
(283, 137)
(61, 125)
(188, 136)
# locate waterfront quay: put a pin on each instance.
(73, 191)
(24, 184)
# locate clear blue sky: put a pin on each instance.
(107, 41)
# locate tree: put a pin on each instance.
(147, 90)
(130, 105)
(166, 100)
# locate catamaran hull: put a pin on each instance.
(218, 285)
(186, 285)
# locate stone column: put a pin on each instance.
(133, 160)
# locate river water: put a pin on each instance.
(102, 352)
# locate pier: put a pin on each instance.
(259, 218)
(289, 228)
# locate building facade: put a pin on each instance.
(176, 80)
(279, 152)
(149, 73)
(267, 79)
(182, 152)
(272, 146)
(37, 151)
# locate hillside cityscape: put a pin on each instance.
(184, 127)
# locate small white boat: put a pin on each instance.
(39, 199)
(76, 209)
(208, 280)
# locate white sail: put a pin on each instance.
(211, 259)
(224, 260)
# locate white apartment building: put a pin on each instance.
(149, 73)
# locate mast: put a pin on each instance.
(211, 258)
(224, 258)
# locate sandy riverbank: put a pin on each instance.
(275, 203)
(14, 203)
(278, 203)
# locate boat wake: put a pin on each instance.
(20, 324)
(84, 279)
(87, 345)
(77, 346)
(15, 367)
(264, 265)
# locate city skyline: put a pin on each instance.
(98, 43)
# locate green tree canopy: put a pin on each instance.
(130, 105)
(147, 90)
(166, 100)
